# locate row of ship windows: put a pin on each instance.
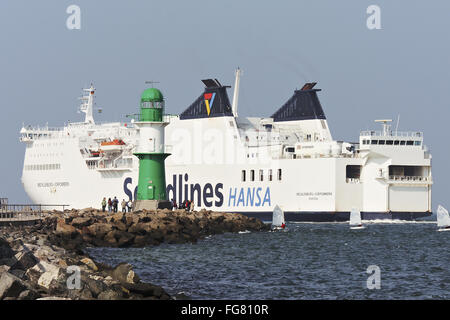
(43, 145)
(37, 155)
(51, 166)
(393, 142)
(261, 175)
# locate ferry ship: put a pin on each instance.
(228, 163)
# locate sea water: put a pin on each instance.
(309, 261)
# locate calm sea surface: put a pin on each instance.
(310, 261)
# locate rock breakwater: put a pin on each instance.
(47, 261)
(89, 227)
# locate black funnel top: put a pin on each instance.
(303, 105)
(213, 102)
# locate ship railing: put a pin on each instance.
(392, 134)
(109, 165)
(20, 211)
(314, 155)
(45, 129)
(41, 129)
(410, 178)
(98, 124)
(24, 212)
(138, 117)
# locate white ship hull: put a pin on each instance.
(222, 165)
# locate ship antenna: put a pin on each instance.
(236, 92)
(151, 82)
(398, 120)
(87, 105)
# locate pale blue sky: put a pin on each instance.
(364, 74)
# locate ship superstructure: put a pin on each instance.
(238, 164)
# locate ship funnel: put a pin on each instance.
(213, 102)
(303, 105)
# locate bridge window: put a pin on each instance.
(270, 174)
(402, 143)
(381, 142)
(252, 175)
(396, 143)
(408, 171)
(374, 142)
(279, 174)
(417, 143)
(389, 142)
(261, 175)
(243, 175)
(409, 143)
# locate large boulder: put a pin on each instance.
(95, 286)
(5, 249)
(145, 289)
(64, 229)
(124, 274)
(110, 238)
(91, 265)
(11, 286)
(99, 230)
(124, 239)
(28, 295)
(109, 295)
(45, 272)
(80, 222)
(25, 260)
(4, 268)
(45, 253)
(130, 219)
(120, 226)
(118, 216)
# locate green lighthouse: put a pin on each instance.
(151, 193)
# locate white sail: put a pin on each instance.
(277, 217)
(355, 217)
(443, 218)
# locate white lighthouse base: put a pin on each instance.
(151, 204)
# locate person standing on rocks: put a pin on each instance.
(103, 204)
(109, 205)
(129, 205)
(192, 205)
(115, 203)
(174, 204)
(124, 206)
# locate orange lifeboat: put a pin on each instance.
(115, 142)
(112, 146)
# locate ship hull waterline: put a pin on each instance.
(339, 216)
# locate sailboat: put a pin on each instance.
(278, 222)
(355, 219)
(443, 219)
